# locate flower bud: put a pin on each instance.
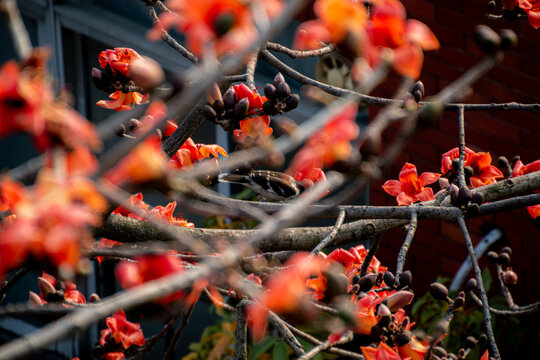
(292, 102)
(399, 299)
(229, 99)
(464, 194)
(471, 285)
(439, 351)
(241, 109)
(336, 284)
(405, 279)
(471, 341)
(491, 5)
(487, 40)
(269, 108)
(417, 96)
(509, 39)
(213, 94)
(492, 256)
(453, 190)
(134, 124)
(418, 86)
(468, 172)
(100, 80)
(403, 339)
(270, 92)
(209, 113)
(459, 302)
(389, 278)
(509, 277)
(278, 79)
(515, 159)
(146, 73)
(507, 249)
(218, 106)
(283, 91)
(34, 299)
(504, 258)
(473, 209)
(94, 298)
(455, 164)
(438, 291)
(478, 198)
(366, 282)
(45, 287)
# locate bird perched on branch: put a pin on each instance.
(271, 185)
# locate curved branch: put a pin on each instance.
(328, 239)
(297, 54)
(518, 311)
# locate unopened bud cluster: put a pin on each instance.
(464, 198)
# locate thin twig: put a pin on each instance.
(286, 334)
(240, 333)
(250, 70)
(345, 338)
(165, 36)
(461, 170)
(20, 36)
(186, 314)
(504, 289)
(402, 256)
(297, 54)
(519, 311)
(330, 237)
(370, 254)
(8, 284)
(480, 287)
(315, 341)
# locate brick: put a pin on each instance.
(449, 267)
(450, 18)
(421, 8)
(530, 139)
(477, 138)
(445, 70)
(493, 126)
(437, 137)
(457, 57)
(531, 67)
(517, 80)
(448, 36)
(427, 151)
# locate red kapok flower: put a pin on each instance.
(255, 127)
(335, 20)
(532, 9)
(520, 169)
(148, 268)
(327, 146)
(118, 59)
(71, 293)
(190, 152)
(382, 352)
(483, 172)
(122, 101)
(285, 290)
(225, 25)
(144, 163)
(389, 28)
(410, 188)
(122, 332)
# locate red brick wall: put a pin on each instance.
(438, 248)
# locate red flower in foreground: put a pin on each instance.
(483, 172)
(335, 20)
(144, 163)
(389, 28)
(122, 101)
(530, 7)
(285, 291)
(190, 152)
(52, 221)
(520, 169)
(224, 25)
(120, 332)
(382, 352)
(148, 268)
(327, 146)
(410, 188)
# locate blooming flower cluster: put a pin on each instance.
(386, 27)
(27, 104)
(219, 26)
(326, 147)
(119, 336)
(51, 222)
(479, 164)
(116, 64)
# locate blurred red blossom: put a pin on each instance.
(224, 26)
(120, 331)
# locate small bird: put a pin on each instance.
(271, 185)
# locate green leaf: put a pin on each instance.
(262, 347)
(280, 351)
(486, 279)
